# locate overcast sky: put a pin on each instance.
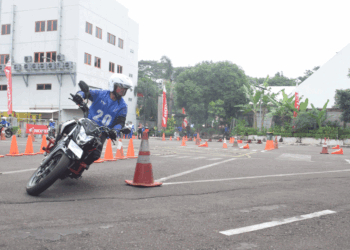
(261, 36)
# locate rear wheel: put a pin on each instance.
(47, 174)
(8, 133)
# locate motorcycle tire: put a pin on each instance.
(47, 174)
(8, 133)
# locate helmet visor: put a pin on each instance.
(121, 91)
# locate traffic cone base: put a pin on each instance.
(338, 152)
(29, 147)
(224, 145)
(269, 145)
(336, 147)
(109, 152)
(143, 176)
(14, 148)
(246, 146)
(204, 145)
(99, 161)
(1, 156)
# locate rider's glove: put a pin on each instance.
(113, 134)
(78, 99)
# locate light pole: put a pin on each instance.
(59, 94)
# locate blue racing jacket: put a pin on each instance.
(103, 110)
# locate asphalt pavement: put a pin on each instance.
(211, 198)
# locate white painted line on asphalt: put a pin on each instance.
(19, 171)
(254, 150)
(214, 159)
(182, 157)
(201, 157)
(348, 161)
(275, 223)
(167, 156)
(256, 177)
(192, 170)
(263, 151)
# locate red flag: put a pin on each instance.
(184, 123)
(8, 73)
(165, 109)
(296, 102)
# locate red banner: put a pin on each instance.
(184, 123)
(296, 102)
(37, 129)
(165, 109)
(8, 73)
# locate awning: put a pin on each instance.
(39, 111)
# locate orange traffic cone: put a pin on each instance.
(14, 148)
(324, 147)
(178, 138)
(109, 152)
(120, 152)
(29, 147)
(130, 154)
(246, 146)
(336, 147)
(143, 175)
(338, 152)
(2, 134)
(224, 145)
(1, 156)
(32, 134)
(163, 139)
(99, 161)
(239, 141)
(183, 143)
(43, 144)
(269, 145)
(204, 145)
(275, 144)
(171, 138)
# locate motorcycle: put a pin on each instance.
(64, 156)
(8, 131)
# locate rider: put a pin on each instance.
(52, 124)
(108, 108)
(4, 122)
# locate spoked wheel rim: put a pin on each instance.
(8, 134)
(44, 171)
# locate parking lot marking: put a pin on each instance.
(19, 171)
(275, 223)
(256, 177)
(192, 170)
(348, 161)
(167, 156)
(182, 157)
(201, 157)
(214, 159)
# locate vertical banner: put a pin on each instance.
(184, 123)
(8, 73)
(165, 109)
(296, 102)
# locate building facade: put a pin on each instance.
(55, 44)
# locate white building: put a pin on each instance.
(86, 39)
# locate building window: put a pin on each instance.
(87, 59)
(97, 62)
(120, 69)
(52, 25)
(51, 56)
(120, 43)
(4, 59)
(43, 87)
(88, 28)
(98, 32)
(3, 87)
(39, 57)
(40, 26)
(131, 51)
(111, 39)
(6, 29)
(111, 67)
(130, 75)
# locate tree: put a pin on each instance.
(147, 93)
(307, 74)
(208, 81)
(216, 110)
(342, 101)
(169, 70)
(277, 80)
(319, 115)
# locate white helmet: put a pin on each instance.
(119, 80)
(3, 118)
(51, 120)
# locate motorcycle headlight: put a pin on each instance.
(82, 138)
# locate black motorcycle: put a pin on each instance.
(8, 131)
(64, 156)
(51, 131)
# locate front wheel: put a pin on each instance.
(8, 133)
(47, 174)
